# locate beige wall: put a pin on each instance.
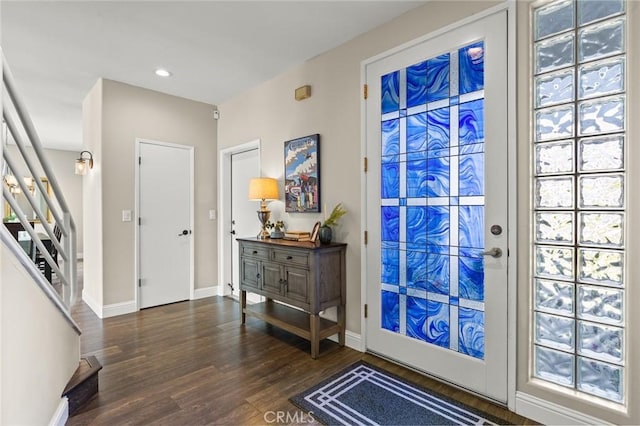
(126, 113)
(270, 113)
(62, 163)
(39, 353)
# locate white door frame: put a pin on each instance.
(136, 215)
(224, 209)
(510, 7)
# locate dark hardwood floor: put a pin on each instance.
(193, 363)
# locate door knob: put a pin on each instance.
(184, 232)
(493, 252)
(233, 232)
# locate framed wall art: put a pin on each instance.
(302, 174)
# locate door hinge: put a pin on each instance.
(365, 91)
(139, 282)
(366, 237)
(366, 164)
(139, 160)
(139, 221)
(366, 310)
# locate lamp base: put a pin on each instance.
(263, 216)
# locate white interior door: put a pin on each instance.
(165, 234)
(244, 220)
(437, 188)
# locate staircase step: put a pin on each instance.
(83, 385)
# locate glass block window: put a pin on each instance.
(432, 200)
(579, 124)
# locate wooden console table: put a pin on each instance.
(311, 278)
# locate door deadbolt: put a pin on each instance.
(496, 229)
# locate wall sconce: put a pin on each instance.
(12, 183)
(31, 183)
(263, 189)
(14, 188)
(82, 163)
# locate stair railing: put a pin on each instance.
(66, 246)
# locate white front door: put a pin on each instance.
(244, 220)
(165, 233)
(437, 206)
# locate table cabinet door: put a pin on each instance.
(250, 273)
(272, 278)
(296, 284)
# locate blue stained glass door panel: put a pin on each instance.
(432, 193)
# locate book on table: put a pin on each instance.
(297, 236)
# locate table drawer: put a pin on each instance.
(252, 250)
(293, 257)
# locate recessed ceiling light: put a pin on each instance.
(162, 72)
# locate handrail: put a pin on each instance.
(30, 166)
(33, 271)
(7, 77)
(60, 212)
(32, 233)
(34, 205)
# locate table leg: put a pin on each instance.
(243, 305)
(315, 334)
(342, 324)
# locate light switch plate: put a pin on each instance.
(126, 215)
(212, 215)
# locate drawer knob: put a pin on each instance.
(289, 257)
(257, 275)
(255, 252)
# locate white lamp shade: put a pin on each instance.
(263, 189)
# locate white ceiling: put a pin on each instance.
(215, 49)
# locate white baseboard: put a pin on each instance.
(549, 413)
(121, 308)
(351, 340)
(201, 293)
(95, 307)
(61, 414)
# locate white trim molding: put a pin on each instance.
(121, 308)
(201, 293)
(95, 306)
(61, 415)
(351, 340)
(224, 211)
(549, 413)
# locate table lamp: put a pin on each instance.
(263, 189)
